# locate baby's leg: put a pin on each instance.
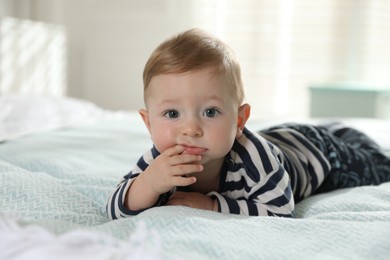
(355, 158)
(351, 136)
(360, 159)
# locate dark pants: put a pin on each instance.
(355, 158)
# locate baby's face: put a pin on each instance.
(193, 109)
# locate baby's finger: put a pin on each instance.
(174, 150)
(185, 181)
(184, 158)
(183, 169)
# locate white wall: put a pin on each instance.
(109, 41)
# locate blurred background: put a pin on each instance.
(299, 58)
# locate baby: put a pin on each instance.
(204, 157)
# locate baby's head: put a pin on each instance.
(193, 91)
(193, 50)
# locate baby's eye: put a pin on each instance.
(211, 112)
(171, 114)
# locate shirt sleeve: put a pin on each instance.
(279, 203)
(116, 202)
(260, 185)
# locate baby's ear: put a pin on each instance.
(244, 112)
(145, 117)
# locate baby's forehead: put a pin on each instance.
(196, 75)
(194, 79)
(200, 84)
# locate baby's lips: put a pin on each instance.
(194, 150)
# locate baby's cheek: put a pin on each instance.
(162, 141)
(223, 142)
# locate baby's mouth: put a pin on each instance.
(194, 150)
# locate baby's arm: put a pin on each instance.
(269, 197)
(163, 173)
(119, 203)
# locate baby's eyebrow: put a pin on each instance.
(214, 97)
(166, 102)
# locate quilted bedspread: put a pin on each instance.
(54, 188)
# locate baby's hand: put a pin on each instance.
(168, 170)
(193, 199)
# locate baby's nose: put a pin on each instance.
(192, 128)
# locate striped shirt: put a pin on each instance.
(263, 174)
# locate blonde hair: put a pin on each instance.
(191, 50)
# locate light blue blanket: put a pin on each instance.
(60, 181)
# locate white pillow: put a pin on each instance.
(26, 114)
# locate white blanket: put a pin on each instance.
(54, 187)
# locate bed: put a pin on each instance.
(61, 157)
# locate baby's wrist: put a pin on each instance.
(147, 186)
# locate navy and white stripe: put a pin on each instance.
(306, 164)
(254, 181)
(116, 202)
